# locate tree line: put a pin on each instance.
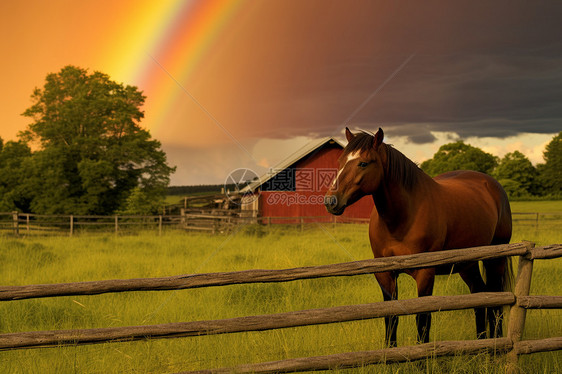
(84, 151)
(519, 177)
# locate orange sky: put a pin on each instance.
(40, 37)
(242, 83)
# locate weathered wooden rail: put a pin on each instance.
(264, 276)
(255, 323)
(512, 344)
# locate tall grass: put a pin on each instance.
(95, 257)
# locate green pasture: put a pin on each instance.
(172, 199)
(546, 206)
(106, 256)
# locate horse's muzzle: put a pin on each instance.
(331, 203)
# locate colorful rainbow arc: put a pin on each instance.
(173, 35)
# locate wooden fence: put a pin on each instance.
(216, 221)
(30, 224)
(537, 219)
(512, 344)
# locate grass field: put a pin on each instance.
(95, 257)
(536, 206)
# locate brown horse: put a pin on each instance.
(415, 213)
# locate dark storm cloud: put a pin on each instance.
(416, 133)
(479, 68)
(486, 95)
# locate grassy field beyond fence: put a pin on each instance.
(106, 256)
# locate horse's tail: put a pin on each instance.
(499, 271)
(502, 235)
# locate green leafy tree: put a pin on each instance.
(92, 152)
(550, 173)
(139, 202)
(459, 156)
(13, 156)
(521, 173)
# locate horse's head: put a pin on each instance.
(360, 171)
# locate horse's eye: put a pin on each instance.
(363, 164)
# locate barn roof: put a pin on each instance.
(291, 160)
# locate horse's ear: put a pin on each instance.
(348, 134)
(379, 136)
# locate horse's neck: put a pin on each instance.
(397, 204)
(392, 204)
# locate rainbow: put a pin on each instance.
(163, 42)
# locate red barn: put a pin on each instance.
(296, 187)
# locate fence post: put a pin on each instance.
(27, 223)
(116, 224)
(302, 224)
(71, 224)
(160, 225)
(15, 218)
(537, 222)
(183, 218)
(517, 314)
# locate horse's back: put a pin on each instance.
(476, 207)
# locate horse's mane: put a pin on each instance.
(399, 168)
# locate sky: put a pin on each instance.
(243, 83)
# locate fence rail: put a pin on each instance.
(265, 276)
(255, 323)
(513, 345)
(394, 355)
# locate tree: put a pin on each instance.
(139, 202)
(92, 151)
(521, 173)
(459, 156)
(550, 173)
(13, 156)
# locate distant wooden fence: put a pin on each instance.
(512, 344)
(27, 223)
(215, 221)
(537, 219)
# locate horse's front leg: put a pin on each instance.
(387, 281)
(424, 280)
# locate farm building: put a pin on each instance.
(296, 187)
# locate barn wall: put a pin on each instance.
(312, 176)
